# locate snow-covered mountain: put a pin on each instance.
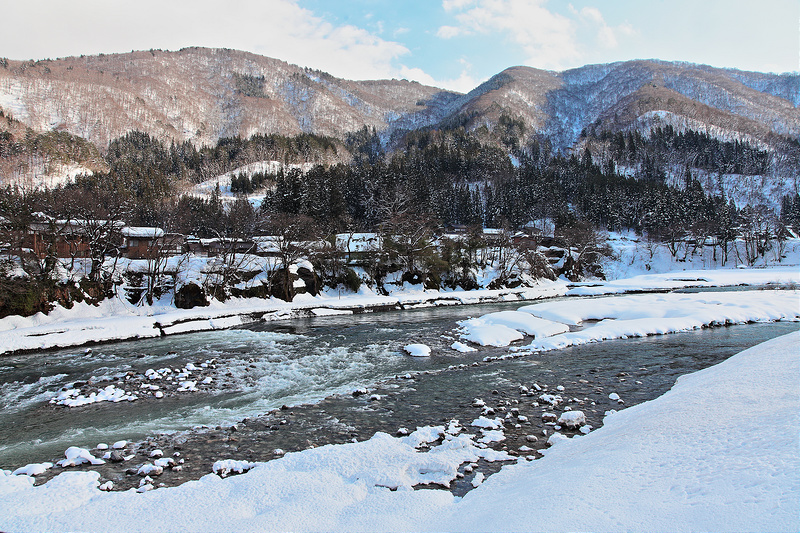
(727, 104)
(201, 95)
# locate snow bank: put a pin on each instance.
(504, 327)
(653, 314)
(627, 316)
(724, 277)
(703, 457)
(330, 488)
(116, 319)
(489, 334)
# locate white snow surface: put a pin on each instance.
(655, 314)
(474, 330)
(77, 456)
(703, 457)
(627, 316)
(418, 350)
(487, 423)
(226, 466)
(504, 327)
(205, 189)
(33, 469)
(463, 348)
(572, 419)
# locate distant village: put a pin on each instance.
(71, 239)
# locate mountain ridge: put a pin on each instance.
(204, 94)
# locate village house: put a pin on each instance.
(71, 239)
(47, 236)
(149, 242)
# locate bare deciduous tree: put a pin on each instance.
(293, 237)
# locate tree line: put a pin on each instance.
(431, 180)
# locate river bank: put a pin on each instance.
(116, 319)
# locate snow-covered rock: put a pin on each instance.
(110, 393)
(149, 469)
(227, 466)
(487, 423)
(463, 348)
(555, 438)
(551, 399)
(77, 456)
(549, 417)
(417, 350)
(572, 419)
(33, 469)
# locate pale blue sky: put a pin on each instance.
(449, 43)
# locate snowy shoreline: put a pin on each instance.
(706, 455)
(116, 320)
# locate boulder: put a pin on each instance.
(189, 296)
(549, 417)
(572, 419)
(116, 456)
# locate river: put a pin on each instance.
(257, 369)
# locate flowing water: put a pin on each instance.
(264, 366)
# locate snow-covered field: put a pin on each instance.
(719, 452)
(270, 168)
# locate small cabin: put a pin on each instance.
(149, 242)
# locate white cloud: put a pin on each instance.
(277, 28)
(448, 32)
(606, 36)
(546, 38)
(450, 5)
(464, 83)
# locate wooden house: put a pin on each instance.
(150, 242)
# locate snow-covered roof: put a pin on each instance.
(141, 232)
